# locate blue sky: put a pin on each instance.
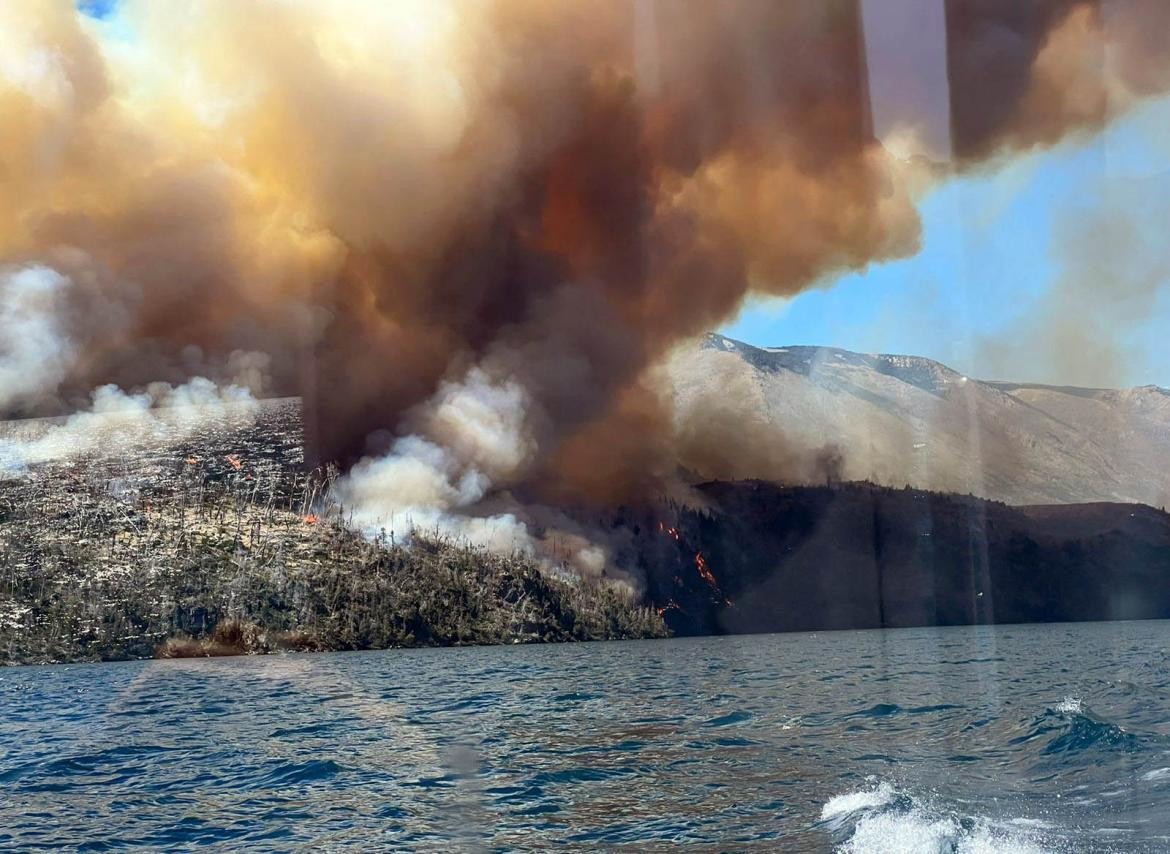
(988, 262)
(97, 8)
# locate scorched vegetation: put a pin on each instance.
(221, 544)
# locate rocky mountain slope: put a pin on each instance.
(898, 420)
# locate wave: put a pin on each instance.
(1064, 739)
(1071, 727)
(882, 818)
(885, 710)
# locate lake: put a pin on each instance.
(1008, 738)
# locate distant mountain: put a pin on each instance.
(899, 420)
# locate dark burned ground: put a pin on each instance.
(212, 539)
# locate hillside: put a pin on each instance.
(761, 557)
(197, 532)
(204, 536)
(899, 420)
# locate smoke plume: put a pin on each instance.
(465, 230)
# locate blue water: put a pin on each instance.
(1017, 738)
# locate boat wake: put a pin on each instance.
(1060, 744)
(882, 818)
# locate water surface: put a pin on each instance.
(1011, 738)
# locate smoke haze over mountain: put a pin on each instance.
(905, 420)
(1113, 266)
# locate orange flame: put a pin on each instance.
(700, 563)
(670, 605)
(673, 532)
(311, 519)
(705, 571)
(191, 461)
(235, 461)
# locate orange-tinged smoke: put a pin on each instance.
(465, 230)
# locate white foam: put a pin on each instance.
(900, 834)
(887, 823)
(1156, 774)
(839, 805)
(1070, 706)
(1031, 822)
(915, 831)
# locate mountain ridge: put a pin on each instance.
(715, 340)
(908, 420)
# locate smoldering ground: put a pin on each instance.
(467, 231)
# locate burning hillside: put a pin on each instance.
(763, 557)
(467, 232)
(214, 540)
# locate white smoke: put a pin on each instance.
(35, 353)
(118, 423)
(469, 437)
(471, 440)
